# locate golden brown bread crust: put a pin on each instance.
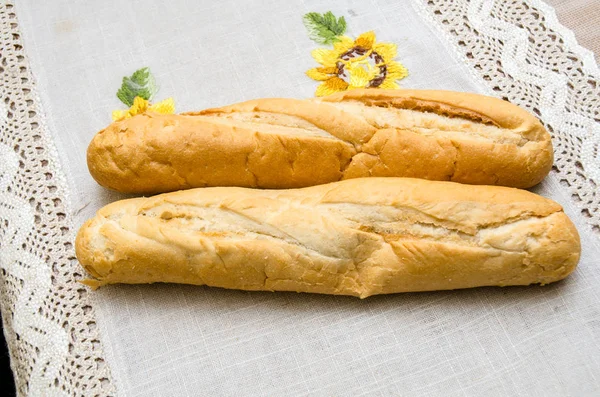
(358, 237)
(290, 143)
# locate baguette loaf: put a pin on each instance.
(291, 143)
(358, 237)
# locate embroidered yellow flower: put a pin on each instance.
(141, 105)
(360, 63)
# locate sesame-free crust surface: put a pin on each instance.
(358, 237)
(291, 143)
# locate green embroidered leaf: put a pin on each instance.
(324, 29)
(141, 83)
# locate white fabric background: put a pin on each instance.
(178, 340)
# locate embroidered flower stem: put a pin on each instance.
(136, 92)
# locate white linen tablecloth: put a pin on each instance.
(173, 340)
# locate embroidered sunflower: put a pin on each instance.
(360, 63)
(141, 105)
(136, 92)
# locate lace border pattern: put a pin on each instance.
(521, 53)
(48, 319)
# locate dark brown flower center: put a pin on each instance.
(374, 59)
